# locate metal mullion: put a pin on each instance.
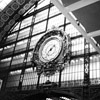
(86, 82)
(64, 24)
(6, 78)
(48, 16)
(25, 57)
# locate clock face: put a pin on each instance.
(50, 49)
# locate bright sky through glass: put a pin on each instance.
(4, 3)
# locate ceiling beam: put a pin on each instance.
(94, 34)
(73, 22)
(80, 4)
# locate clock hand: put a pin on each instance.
(50, 49)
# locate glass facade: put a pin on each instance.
(15, 47)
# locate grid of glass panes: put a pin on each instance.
(73, 73)
(13, 79)
(95, 69)
(53, 11)
(30, 77)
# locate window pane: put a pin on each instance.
(39, 27)
(26, 22)
(34, 40)
(53, 11)
(24, 33)
(72, 31)
(41, 16)
(56, 21)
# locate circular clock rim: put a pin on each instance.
(45, 42)
(39, 43)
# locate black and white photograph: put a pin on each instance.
(49, 50)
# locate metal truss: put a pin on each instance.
(66, 12)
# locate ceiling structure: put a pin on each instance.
(87, 12)
(11, 13)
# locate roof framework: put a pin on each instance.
(87, 12)
(12, 13)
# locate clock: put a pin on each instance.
(50, 49)
(50, 52)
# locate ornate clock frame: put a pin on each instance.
(50, 66)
